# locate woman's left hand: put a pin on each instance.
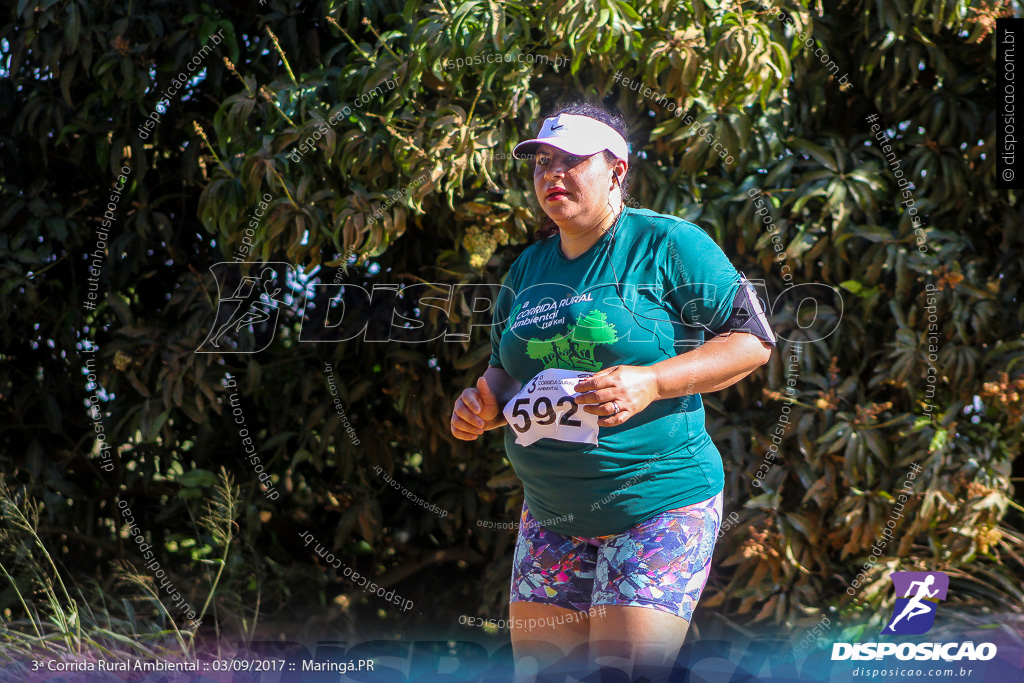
(631, 387)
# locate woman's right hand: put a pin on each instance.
(475, 412)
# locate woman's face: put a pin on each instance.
(570, 187)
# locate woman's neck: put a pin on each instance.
(576, 240)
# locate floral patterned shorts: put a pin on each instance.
(661, 563)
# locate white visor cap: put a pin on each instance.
(575, 134)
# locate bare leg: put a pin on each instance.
(556, 633)
(636, 640)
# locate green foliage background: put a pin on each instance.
(79, 78)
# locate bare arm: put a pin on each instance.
(480, 408)
(504, 387)
(713, 366)
(622, 391)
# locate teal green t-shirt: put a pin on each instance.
(555, 312)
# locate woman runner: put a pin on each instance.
(623, 489)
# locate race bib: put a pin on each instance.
(544, 409)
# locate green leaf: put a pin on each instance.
(196, 478)
(72, 26)
(852, 286)
(816, 152)
(276, 440)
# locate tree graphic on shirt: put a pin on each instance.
(574, 350)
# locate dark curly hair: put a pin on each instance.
(595, 111)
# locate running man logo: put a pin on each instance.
(251, 305)
(914, 613)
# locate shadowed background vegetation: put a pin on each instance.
(79, 78)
